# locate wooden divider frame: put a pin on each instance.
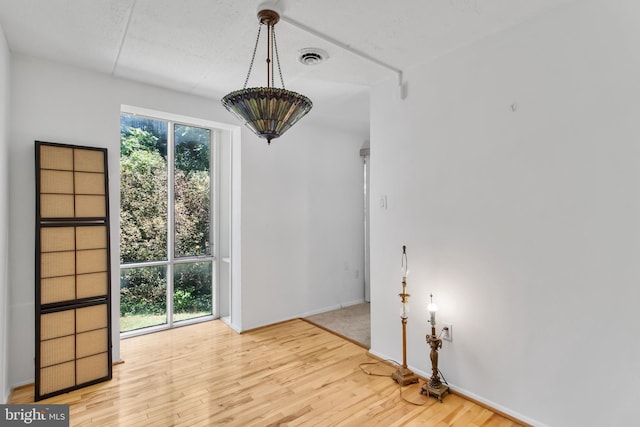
(80, 348)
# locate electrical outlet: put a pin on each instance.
(383, 202)
(447, 332)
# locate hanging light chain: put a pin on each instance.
(272, 41)
(269, 53)
(275, 47)
(277, 57)
(253, 57)
(268, 112)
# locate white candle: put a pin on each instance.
(432, 311)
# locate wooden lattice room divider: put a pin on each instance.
(73, 292)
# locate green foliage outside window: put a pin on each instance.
(143, 219)
(143, 207)
(192, 287)
(143, 291)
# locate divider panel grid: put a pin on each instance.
(73, 292)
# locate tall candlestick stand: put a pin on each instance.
(434, 386)
(403, 375)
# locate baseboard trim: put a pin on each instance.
(320, 311)
(32, 384)
(258, 328)
(20, 387)
(354, 302)
(227, 321)
(517, 418)
(455, 390)
(332, 308)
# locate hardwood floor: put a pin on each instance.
(292, 373)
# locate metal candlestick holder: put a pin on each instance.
(434, 386)
(403, 375)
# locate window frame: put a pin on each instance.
(214, 167)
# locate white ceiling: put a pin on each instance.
(203, 47)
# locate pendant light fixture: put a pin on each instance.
(268, 111)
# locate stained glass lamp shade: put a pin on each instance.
(268, 111)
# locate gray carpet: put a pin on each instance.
(351, 322)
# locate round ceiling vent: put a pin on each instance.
(312, 56)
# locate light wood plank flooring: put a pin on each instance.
(292, 374)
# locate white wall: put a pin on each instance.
(524, 224)
(284, 198)
(302, 234)
(4, 215)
